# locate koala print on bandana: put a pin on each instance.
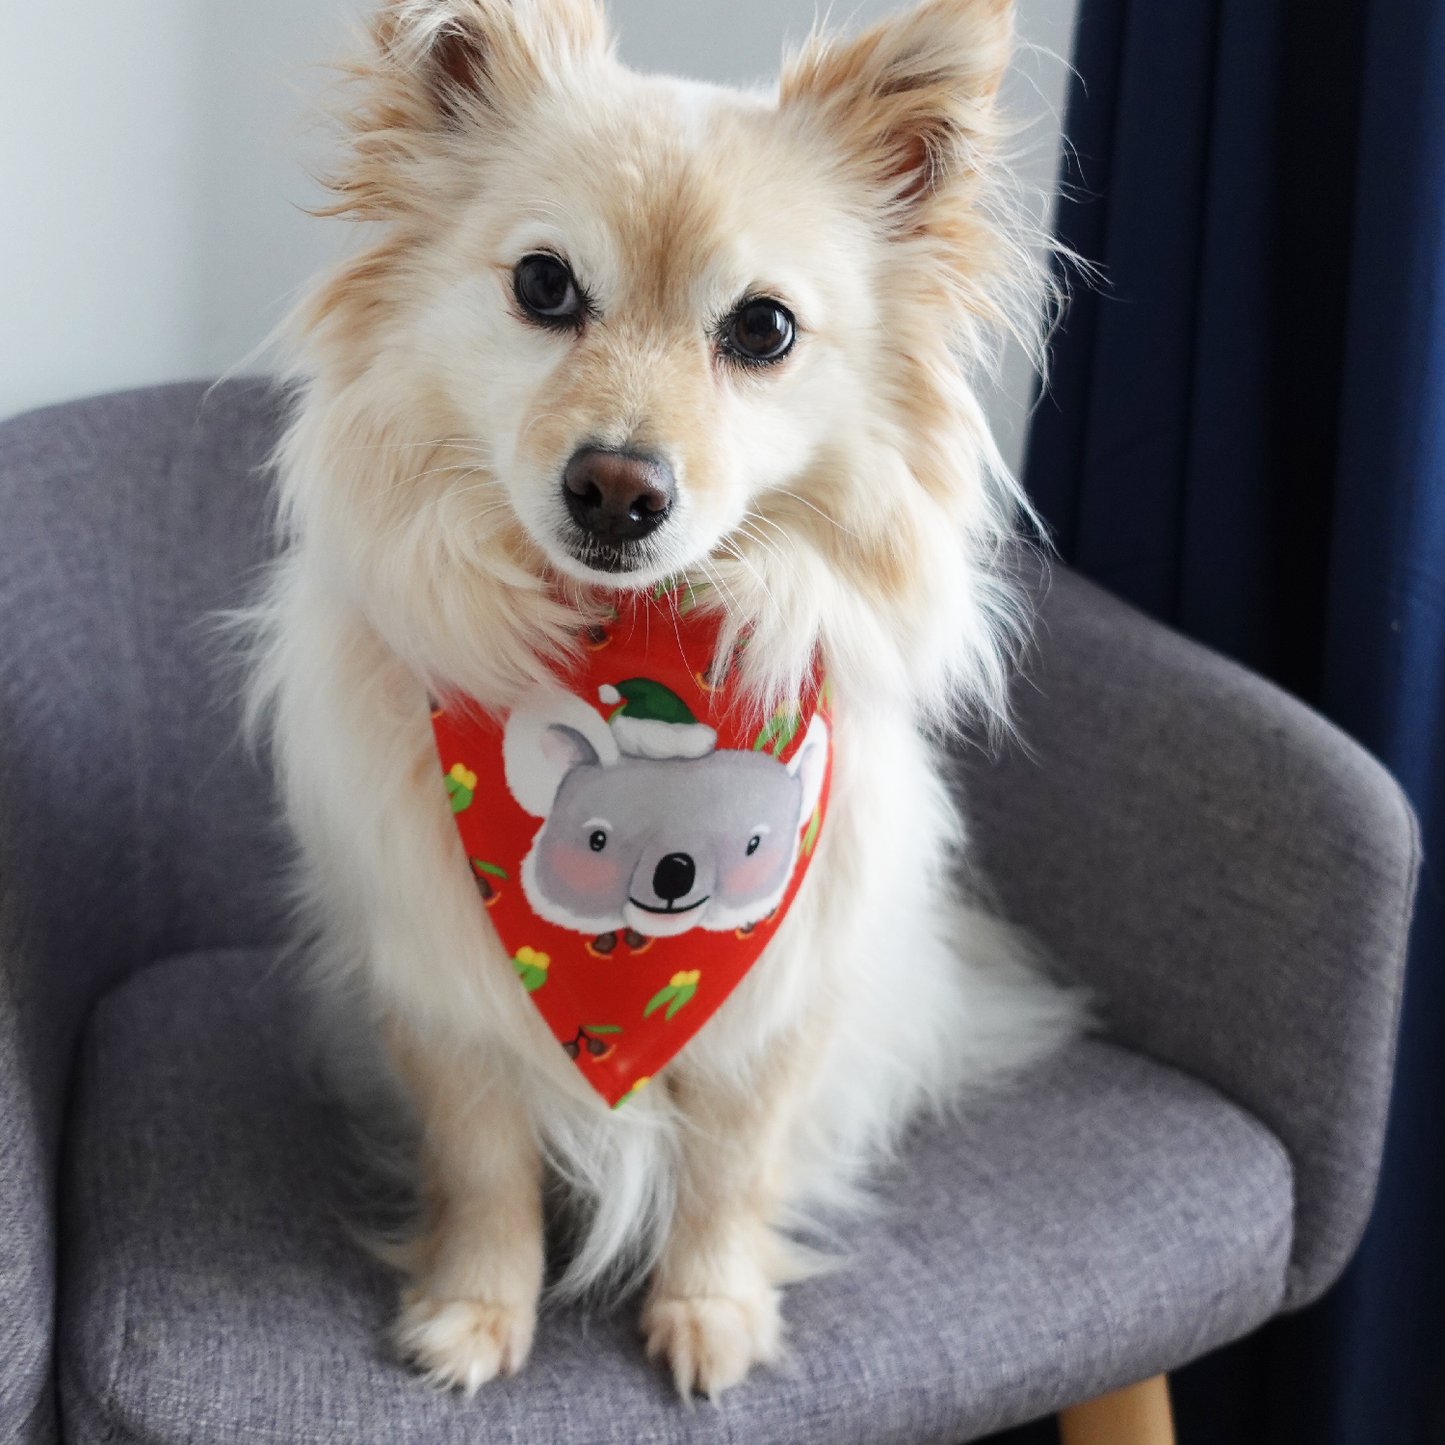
(635, 836)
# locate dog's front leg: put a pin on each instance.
(713, 1306)
(471, 1309)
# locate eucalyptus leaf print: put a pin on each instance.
(489, 879)
(677, 994)
(779, 731)
(810, 838)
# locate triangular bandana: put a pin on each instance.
(637, 837)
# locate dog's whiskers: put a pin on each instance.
(767, 543)
(737, 552)
(436, 500)
(540, 417)
(409, 446)
(465, 468)
(827, 517)
(716, 579)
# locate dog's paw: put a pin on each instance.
(460, 1344)
(711, 1342)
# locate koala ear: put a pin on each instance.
(810, 764)
(472, 55)
(566, 748)
(912, 98)
(550, 732)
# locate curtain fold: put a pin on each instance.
(1244, 435)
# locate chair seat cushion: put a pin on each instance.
(1098, 1220)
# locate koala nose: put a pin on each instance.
(673, 877)
(617, 496)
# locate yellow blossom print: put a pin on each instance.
(638, 1085)
(461, 785)
(531, 968)
(678, 992)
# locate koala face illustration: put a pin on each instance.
(657, 845)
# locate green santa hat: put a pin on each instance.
(649, 720)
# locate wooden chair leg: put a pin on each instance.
(1139, 1415)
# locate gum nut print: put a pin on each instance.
(646, 824)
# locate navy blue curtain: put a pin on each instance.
(1245, 436)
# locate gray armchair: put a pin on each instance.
(1230, 874)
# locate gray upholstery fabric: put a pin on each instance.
(1233, 875)
(131, 823)
(1095, 1223)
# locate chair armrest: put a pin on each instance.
(1231, 875)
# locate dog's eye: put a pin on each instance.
(598, 841)
(760, 330)
(754, 843)
(547, 291)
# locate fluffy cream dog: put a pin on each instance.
(773, 301)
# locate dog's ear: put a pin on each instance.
(483, 55)
(912, 99)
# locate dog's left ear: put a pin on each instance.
(912, 98)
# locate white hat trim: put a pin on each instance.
(645, 737)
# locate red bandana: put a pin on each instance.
(636, 841)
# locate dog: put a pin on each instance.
(616, 341)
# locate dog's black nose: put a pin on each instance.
(617, 496)
(673, 877)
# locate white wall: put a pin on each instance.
(150, 179)
(147, 225)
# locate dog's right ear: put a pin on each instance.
(436, 69)
(472, 57)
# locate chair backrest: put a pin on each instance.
(135, 821)
(133, 824)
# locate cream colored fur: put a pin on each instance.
(849, 499)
